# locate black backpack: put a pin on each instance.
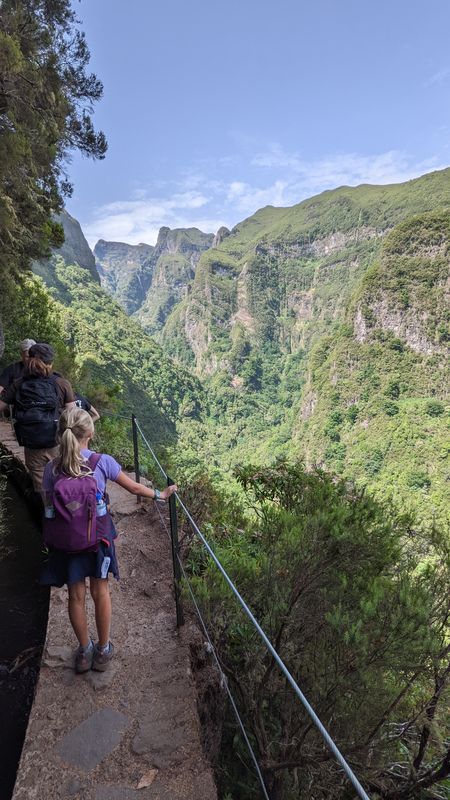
(36, 412)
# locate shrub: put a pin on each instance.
(373, 462)
(397, 344)
(434, 408)
(334, 583)
(352, 413)
(393, 390)
(419, 479)
(390, 408)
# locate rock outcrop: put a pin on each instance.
(75, 250)
(176, 255)
(150, 281)
(221, 234)
(125, 271)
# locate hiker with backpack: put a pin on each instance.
(79, 531)
(16, 370)
(38, 398)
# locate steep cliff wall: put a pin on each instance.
(125, 271)
(149, 281)
(75, 250)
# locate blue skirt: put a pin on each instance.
(66, 568)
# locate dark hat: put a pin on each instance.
(42, 351)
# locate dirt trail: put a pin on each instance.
(99, 736)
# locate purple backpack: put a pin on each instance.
(75, 526)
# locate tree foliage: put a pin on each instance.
(355, 600)
(28, 310)
(46, 101)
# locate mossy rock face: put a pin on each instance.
(287, 275)
(394, 369)
(125, 271)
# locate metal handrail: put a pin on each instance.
(307, 706)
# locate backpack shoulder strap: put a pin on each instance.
(93, 460)
(52, 379)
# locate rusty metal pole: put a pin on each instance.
(135, 452)
(175, 554)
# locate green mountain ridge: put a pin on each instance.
(282, 268)
(319, 332)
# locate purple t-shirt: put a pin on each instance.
(106, 469)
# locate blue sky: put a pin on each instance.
(213, 110)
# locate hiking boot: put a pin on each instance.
(102, 657)
(84, 657)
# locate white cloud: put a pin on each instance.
(208, 198)
(139, 220)
(346, 169)
(247, 199)
(438, 77)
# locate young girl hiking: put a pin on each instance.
(80, 532)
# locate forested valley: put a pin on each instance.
(292, 374)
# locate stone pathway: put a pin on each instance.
(131, 733)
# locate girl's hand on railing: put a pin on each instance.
(168, 491)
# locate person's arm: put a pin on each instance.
(144, 491)
(8, 399)
(66, 393)
(94, 414)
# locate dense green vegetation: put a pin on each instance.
(328, 341)
(354, 596)
(381, 384)
(27, 309)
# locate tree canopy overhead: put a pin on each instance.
(46, 101)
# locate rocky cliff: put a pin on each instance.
(125, 271)
(75, 250)
(149, 281)
(284, 276)
(177, 254)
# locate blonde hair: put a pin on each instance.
(74, 426)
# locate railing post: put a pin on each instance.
(175, 554)
(135, 452)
